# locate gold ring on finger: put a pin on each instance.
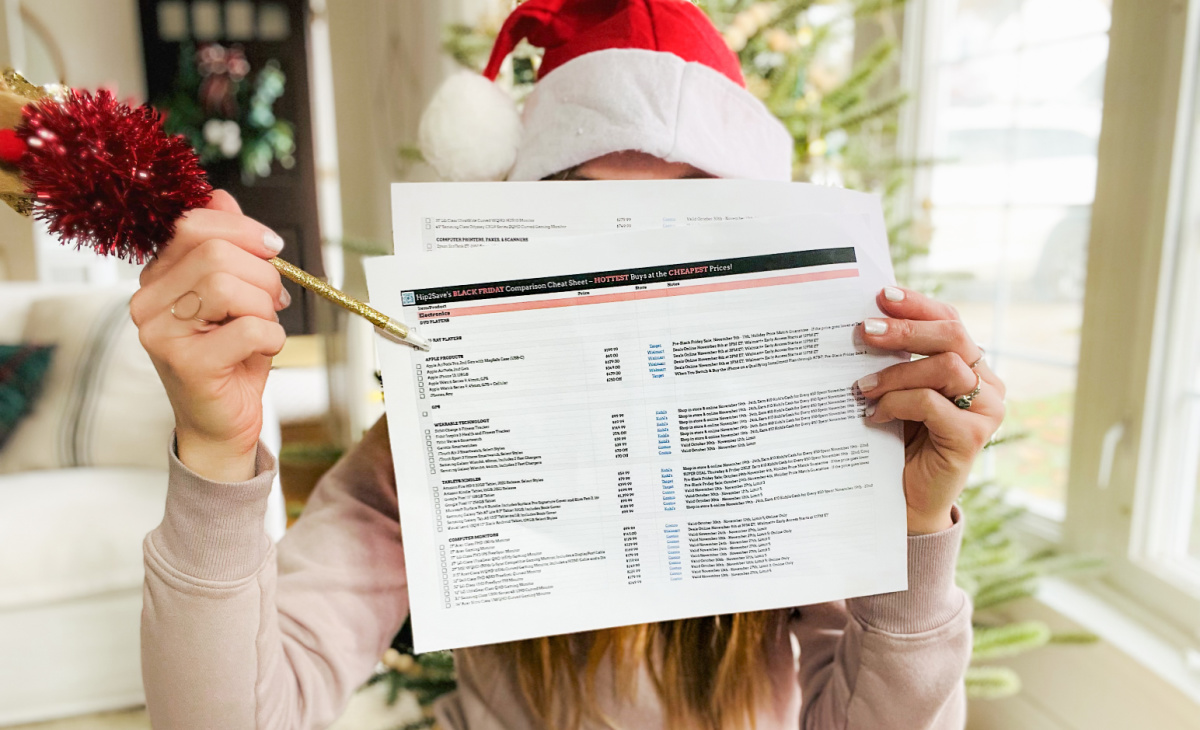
(982, 354)
(964, 401)
(182, 311)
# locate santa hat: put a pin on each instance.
(652, 76)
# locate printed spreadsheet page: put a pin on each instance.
(623, 428)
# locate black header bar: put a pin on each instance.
(630, 277)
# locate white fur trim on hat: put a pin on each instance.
(471, 130)
(631, 99)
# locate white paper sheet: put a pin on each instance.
(670, 438)
(449, 216)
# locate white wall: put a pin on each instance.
(99, 39)
(99, 42)
(387, 62)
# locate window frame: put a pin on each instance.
(1161, 525)
(1115, 498)
(1145, 154)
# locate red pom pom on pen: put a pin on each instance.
(105, 175)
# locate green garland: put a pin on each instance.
(253, 135)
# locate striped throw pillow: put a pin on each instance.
(103, 404)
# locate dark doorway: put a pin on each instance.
(205, 62)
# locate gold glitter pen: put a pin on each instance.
(396, 330)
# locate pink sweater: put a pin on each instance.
(239, 633)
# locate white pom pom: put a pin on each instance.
(471, 130)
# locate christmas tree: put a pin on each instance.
(829, 71)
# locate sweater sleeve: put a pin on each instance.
(240, 634)
(892, 661)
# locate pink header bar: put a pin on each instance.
(675, 291)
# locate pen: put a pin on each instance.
(397, 330)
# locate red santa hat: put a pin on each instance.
(652, 76)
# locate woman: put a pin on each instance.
(238, 633)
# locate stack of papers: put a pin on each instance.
(639, 404)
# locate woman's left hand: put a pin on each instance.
(941, 439)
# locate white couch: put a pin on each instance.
(71, 569)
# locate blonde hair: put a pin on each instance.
(709, 673)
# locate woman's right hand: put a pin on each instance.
(214, 361)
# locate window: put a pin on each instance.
(1010, 98)
(1091, 312)
(229, 20)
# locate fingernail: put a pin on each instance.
(892, 294)
(875, 326)
(273, 242)
(868, 382)
(285, 299)
(869, 410)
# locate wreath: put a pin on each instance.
(225, 114)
